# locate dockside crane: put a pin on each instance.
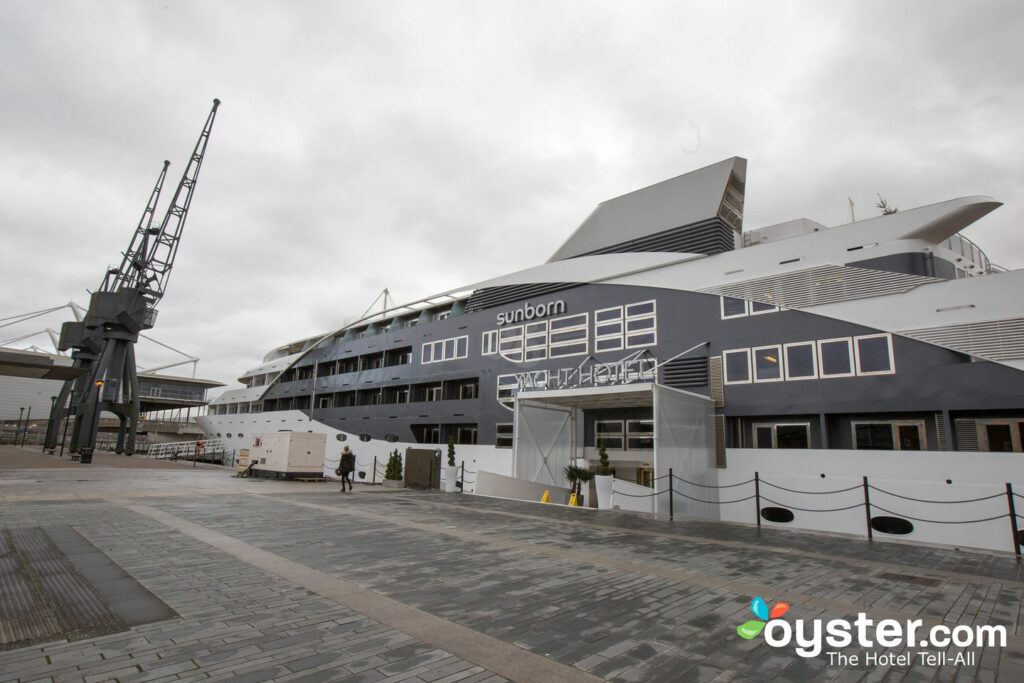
(103, 342)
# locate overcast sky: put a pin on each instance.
(426, 145)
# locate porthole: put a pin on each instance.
(779, 515)
(891, 525)
(365, 437)
(218, 435)
(391, 438)
(340, 437)
(240, 435)
(229, 435)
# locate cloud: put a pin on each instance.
(423, 146)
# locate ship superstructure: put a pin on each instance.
(894, 334)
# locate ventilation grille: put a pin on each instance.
(490, 297)
(994, 340)
(821, 285)
(720, 441)
(717, 384)
(685, 372)
(966, 435)
(940, 429)
(711, 236)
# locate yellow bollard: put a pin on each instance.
(546, 498)
(572, 500)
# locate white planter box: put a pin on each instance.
(603, 484)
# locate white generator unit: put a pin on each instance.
(288, 454)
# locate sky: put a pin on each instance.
(425, 145)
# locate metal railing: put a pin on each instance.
(195, 450)
(863, 501)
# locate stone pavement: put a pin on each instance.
(275, 580)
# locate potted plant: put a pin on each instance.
(603, 479)
(577, 476)
(449, 473)
(393, 472)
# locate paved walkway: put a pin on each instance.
(274, 580)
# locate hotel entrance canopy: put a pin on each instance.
(549, 432)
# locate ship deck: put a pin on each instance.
(251, 579)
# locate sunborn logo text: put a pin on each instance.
(811, 637)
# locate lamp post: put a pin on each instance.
(28, 416)
(17, 427)
(53, 408)
(67, 421)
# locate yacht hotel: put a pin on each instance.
(889, 349)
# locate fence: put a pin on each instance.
(893, 522)
(194, 450)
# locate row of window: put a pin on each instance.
(876, 435)
(869, 354)
(740, 308)
(341, 366)
(630, 326)
(449, 390)
(445, 350)
(463, 434)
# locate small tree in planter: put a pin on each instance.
(577, 476)
(450, 470)
(603, 480)
(393, 471)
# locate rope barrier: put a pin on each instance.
(713, 502)
(939, 521)
(712, 486)
(922, 500)
(639, 495)
(813, 493)
(793, 507)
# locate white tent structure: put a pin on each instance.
(549, 431)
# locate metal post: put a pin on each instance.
(53, 407)
(867, 509)
(462, 475)
(1013, 520)
(757, 498)
(373, 477)
(64, 436)
(28, 416)
(670, 510)
(17, 427)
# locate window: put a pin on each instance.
(504, 435)
(610, 432)
(608, 329)
(835, 358)
(507, 388)
(510, 343)
(568, 336)
(445, 350)
(874, 354)
(782, 435)
(536, 335)
(757, 308)
(645, 476)
(888, 435)
(426, 433)
(768, 364)
(464, 434)
(489, 343)
(640, 434)
(801, 361)
(641, 324)
(737, 366)
(1002, 435)
(733, 308)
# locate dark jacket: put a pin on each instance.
(348, 462)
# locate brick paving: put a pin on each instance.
(277, 580)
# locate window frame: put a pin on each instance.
(821, 358)
(894, 426)
(753, 363)
(725, 367)
(814, 359)
(775, 432)
(856, 352)
(721, 307)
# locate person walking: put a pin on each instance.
(346, 467)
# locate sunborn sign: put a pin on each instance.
(530, 312)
